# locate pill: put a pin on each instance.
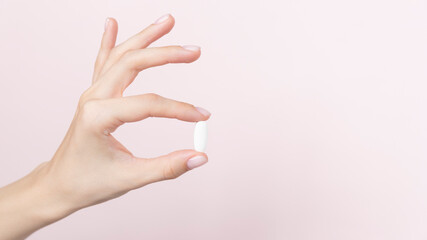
(200, 136)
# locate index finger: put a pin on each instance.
(117, 111)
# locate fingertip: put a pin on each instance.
(192, 52)
(172, 20)
(110, 34)
(197, 55)
(110, 22)
(107, 23)
(166, 20)
(197, 161)
(205, 113)
(184, 161)
(113, 24)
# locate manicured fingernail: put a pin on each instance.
(191, 48)
(106, 24)
(196, 161)
(203, 111)
(162, 18)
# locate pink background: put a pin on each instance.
(319, 115)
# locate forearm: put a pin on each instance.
(28, 205)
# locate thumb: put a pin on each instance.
(171, 166)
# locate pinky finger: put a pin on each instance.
(107, 43)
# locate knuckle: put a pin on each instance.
(152, 97)
(128, 61)
(85, 97)
(89, 113)
(90, 94)
(128, 57)
(114, 53)
(88, 107)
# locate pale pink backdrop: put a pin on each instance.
(318, 128)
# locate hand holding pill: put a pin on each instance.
(91, 166)
(114, 71)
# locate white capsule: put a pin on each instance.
(200, 136)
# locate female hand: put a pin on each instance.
(91, 166)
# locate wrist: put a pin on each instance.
(32, 203)
(48, 202)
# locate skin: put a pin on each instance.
(91, 166)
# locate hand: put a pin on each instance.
(91, 166)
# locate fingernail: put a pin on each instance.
(203, 111)
(106, 23)
(162, 19)
(191, 48)
(196, 161)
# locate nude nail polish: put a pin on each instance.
(162, 18)
(106, 23)
(196, 161)
(191, 48)
(203, 111)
